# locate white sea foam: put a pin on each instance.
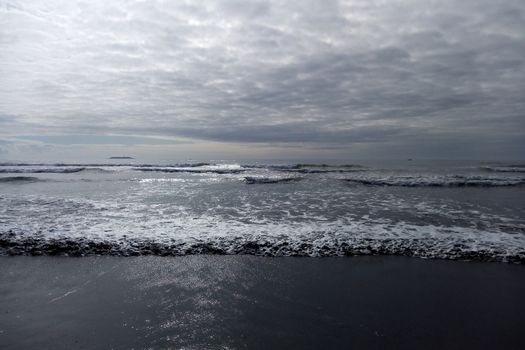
(207, 208)
(110, 228)
(197, 170)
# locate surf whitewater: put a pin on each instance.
(468, 211)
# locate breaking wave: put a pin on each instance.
(378, 239)
(439, 181)
(202, 167)
(139, 210)
(269, 180)
(506, 169)
(315, 168)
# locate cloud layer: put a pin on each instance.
(361, 74)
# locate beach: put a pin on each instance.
(262, 174)
(237, 302)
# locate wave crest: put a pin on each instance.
(439, 181)
(19, 179)
(14, 244)
(269, 180)
(505, 169)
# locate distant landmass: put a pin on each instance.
(121, 157)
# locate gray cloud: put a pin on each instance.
(99, 140)
(320, 73)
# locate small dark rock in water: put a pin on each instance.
(121, 157)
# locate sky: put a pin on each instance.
(242, 79)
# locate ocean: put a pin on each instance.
(462, 210)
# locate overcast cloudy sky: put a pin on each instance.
(265, 78)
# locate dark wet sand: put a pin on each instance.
(260, 303)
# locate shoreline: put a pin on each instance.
(244, 301)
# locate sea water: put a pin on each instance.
(431, 209)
